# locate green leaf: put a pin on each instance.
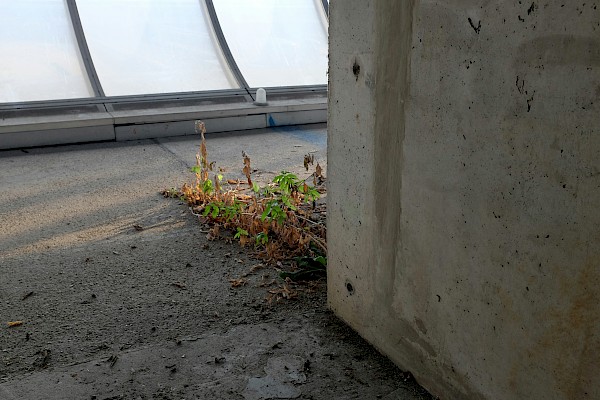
(240, 232)
(262, 238)
(265, 214)
(196, 169)
(266, 211)
(287, 182)
(288, 202)
(321, 259)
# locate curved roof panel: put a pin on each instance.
(40, 59)
(153, 46)
(276, 42)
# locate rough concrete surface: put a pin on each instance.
(113, 312)
(463, 235)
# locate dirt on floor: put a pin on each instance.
(122, 296)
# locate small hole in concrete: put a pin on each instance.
(356, 69)
(350, 288)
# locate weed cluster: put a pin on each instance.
(281, 220)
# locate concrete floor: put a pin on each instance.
(102, 318)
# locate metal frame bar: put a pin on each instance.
(216, 25)
(84, 50)
(203, 95)
(296, 89)
(326, 7)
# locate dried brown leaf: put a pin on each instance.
(237, 282)
(217, 184)
(319, 171)
(283, 292)
(309, 159)
(203, 150)
(247, 170)
(213, 234)
(266, 283)
(257, 267)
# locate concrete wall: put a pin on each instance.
(464, 191)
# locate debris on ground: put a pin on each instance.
(28, 294)
(284, 223)
(43, 359)
(180, 285)
(112, 360)
(237, 282)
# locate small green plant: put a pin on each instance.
(279, 218)
(212, 209)
(172, 193)
(207, 186)
(262, 238)
(287, 201)
(233, 211)
(287, 182)
(240, 232)
(310, 193)
(273, 212)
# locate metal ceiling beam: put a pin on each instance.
(84, 50)
(216, 25)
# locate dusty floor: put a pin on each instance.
(112, 312)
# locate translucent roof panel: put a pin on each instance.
(276, 42)
(39, 55)
(153, 46)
